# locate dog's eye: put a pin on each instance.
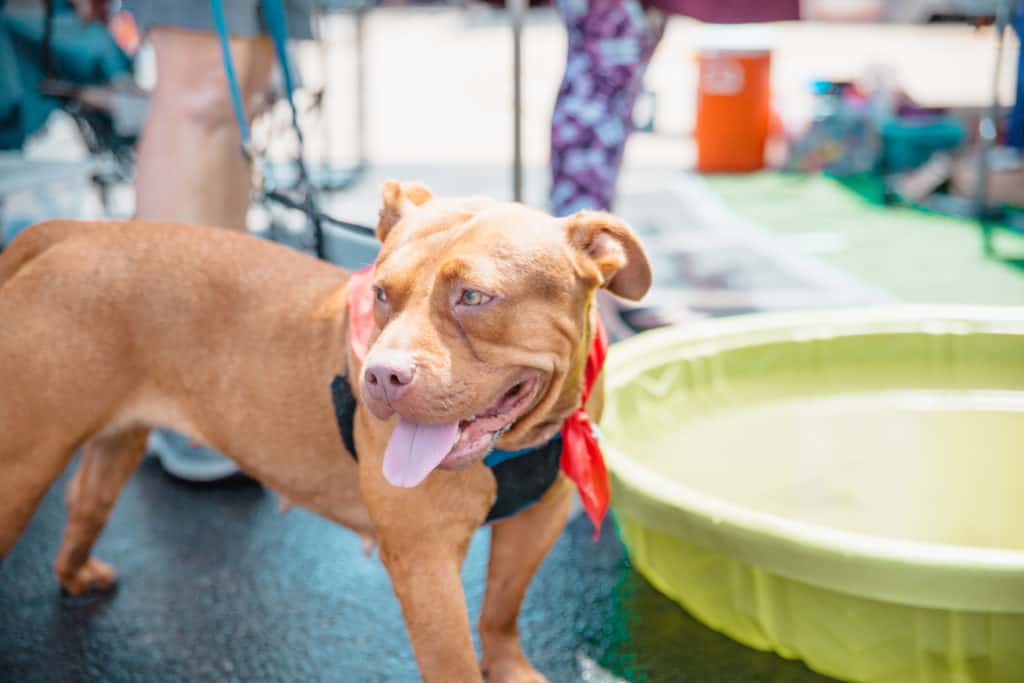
(473, 297)
(380, 294)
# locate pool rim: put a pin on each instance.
(893, 570)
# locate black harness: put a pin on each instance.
(521, 480)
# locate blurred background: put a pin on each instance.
(864, 153)
(847, 151)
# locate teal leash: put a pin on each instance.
(277, 27)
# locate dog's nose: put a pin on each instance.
(387, 377)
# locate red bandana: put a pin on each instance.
(581, 461)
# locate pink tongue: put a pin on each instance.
(415, 449)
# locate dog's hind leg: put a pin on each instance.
(27, 473)
(107, 463)
(67, 363)
(518, 546)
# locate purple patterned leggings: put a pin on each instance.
(610, 44)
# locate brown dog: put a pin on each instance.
(481, 329)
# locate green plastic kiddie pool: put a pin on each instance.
(846, 488)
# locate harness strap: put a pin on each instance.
(345, 413)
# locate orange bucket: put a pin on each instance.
(733, 108)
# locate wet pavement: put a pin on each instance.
(217, 585)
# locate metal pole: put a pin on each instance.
(319, 21)
(360, 49)
(988, 129)
(517, 13)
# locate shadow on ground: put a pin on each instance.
(216, 584)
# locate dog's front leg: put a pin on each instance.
(425, 577)
(518, 546)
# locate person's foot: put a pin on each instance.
(185, 460)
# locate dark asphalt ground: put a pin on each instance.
(217, 585)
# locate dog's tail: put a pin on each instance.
(32, 242)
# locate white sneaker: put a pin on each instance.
(182, 459)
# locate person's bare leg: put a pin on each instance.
(189, 167)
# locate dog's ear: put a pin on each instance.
(397, 199)
(611, 253)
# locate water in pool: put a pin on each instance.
(933, 466)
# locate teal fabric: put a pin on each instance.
(82, 54)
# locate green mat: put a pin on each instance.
(914, 255)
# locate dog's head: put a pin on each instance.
(483, 323)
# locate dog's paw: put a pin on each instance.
(94, 575)
(511, 670)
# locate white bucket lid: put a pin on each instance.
(735, 39)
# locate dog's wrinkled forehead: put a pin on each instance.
(507, 244)
(499, 248)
